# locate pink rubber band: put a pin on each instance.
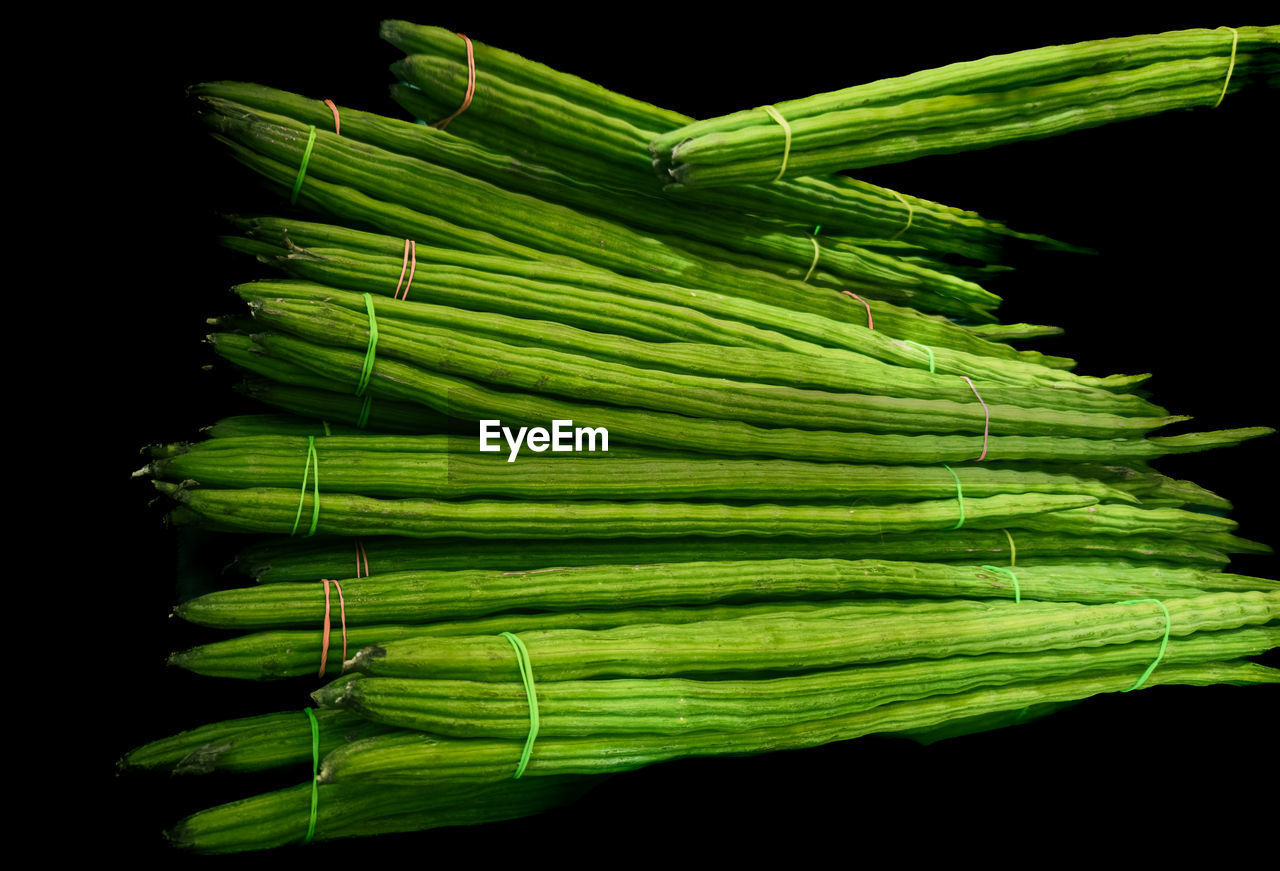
(337, 122)
(324, 642)
(361, 555)
(471, 85)
(986, 427)
(871, 325)
(411, 264)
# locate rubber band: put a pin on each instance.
(786, 129)
(411, 264)
(324, 641)
(302, 166)
(1013, 550)
(871, 324)
(911, 215)
(471, 85)
(959, 495)
(1017, 590)
(315, 775)
(526, 675)
(313, 460)
(366, 370)
(361, 556)
(986, 426)
(362, 419)
(1164, 642)
(814, 264)
(929, 351)
(1235, 40)
(325, 424)
(337, 122)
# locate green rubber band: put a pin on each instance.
(313, 462)
(302, 167)
(315, 775)
(959, 495)
(526, 675)
(366, 371)
(926, 349)
(325, 424)
(1017, 590)
(1164, 642)
(786, 146)
(363, 420)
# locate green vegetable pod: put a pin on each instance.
(468, 400)
(526, 222)
(421, 597)
(285, 653)
(1093, 411)
(251, 743)
(451, 468)
(426, 760)
(277, 819)
(292, 559)
(813, 641)
(584, 295)
(277, 511)
(674, 706)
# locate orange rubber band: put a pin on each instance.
(337, 122)
(411, 264)
(471, 85)
(324, 642)
(986, 427)
(361, 555)
(871, 325)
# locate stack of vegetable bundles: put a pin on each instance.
(573, 472)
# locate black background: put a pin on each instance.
(1182, 208)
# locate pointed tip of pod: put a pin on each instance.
(363, 658)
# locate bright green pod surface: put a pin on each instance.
(861, 382)
(277, 511)
(837, 202)
(280, 818)
(420, 597)
(465, 399)
(671, 706)
(526, 221)
(589, 295)
(813, 641)
(1091, 79)
(724, 234)
(250, 743)
(285, 559)
(425, 760)
(456, 470)
(286, 653)
(875, 135)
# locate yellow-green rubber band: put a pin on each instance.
(310, 470)
(1164, 642)
(1017, 590)
(959, 495)
(363, 419)
(1013, 549)
(1231, 65)
(911, 215)
(814, 264)
(366, 370)
(302, 167)
(786, 145)
(526, 675)
(315, 775)
(928, 352)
